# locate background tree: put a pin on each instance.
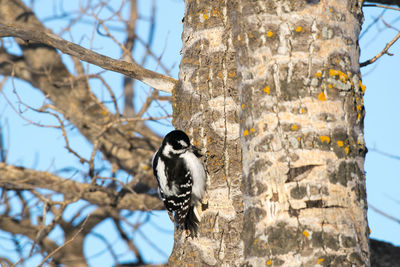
(279, 81)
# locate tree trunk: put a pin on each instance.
(206, 106)
(301, 132)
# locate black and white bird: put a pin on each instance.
(181, 179)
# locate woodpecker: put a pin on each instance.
(181, 179)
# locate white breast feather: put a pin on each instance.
(162, 179)
(198, 174)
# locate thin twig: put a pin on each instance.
(383, 213)
(65, 243)
(384, 51)
(382, 6)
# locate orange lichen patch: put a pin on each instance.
(306, 234)
(250, 35)
(205, 17)
(267, 90)
(232, 73)
(246, 133)
(294, 127)
(340, 143)
(216, 12)
(320, 260)
(243, 106)
(321, 96)
(270, 34)
(299, 29)
(342, 76)
(269, 262)
(325, 139)
(359, 107)
(145, 167)
(362, 86)
(358, 116)
(252, 130)
(318, 74)
(302, 110)
(220, 75)
(347, 149)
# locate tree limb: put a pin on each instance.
(118, 142)
(386, 2)
(22, 178)
(28, 33)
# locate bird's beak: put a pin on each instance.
(196, 151)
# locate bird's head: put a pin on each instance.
(175, 143)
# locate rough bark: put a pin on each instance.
(301, 129)
(206, 105)
(301, 132)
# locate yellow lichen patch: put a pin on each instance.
(294, 127)
(220, 75)
(250, 35)
(246, 133)
(145, 167)
(325, 139)
(267, 90)
(216, 12)
(252, 130)
(232, 73)
(205, 17)
(270, 34)
(269, 262)
(255, 241)
(306, 234)
(243, 106)
(358, 116)
(318, 74)
(342, 76)
(330, 86)
(321, 96)
(362, 86)
(340, 143)
(320, 260)
(347, 149)
(299, 138)
(299, 29)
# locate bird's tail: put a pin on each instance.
(192, 221)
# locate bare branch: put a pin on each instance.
(382, 6)
(383, 213)
(151, 78)
(384, 51)
(386, 2)
(18, 177)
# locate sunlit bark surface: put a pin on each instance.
(207, 107)
(301, 132)
(295, 79)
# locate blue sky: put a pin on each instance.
(43, 148)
